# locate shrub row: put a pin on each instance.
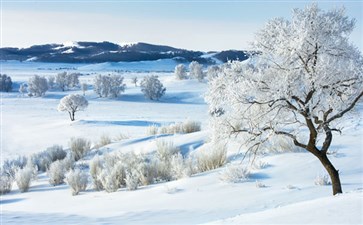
(186, 127)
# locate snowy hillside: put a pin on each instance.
(100, 52)
(279, 190)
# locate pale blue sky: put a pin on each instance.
(197, 25)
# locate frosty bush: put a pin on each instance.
(72, 103)
(115, 177)
(77, 180)
(152, 130)
(37, 86)
(178, 168)
(186, 127)
(322, 180)
(195, 70)
(56, 173)
(180, 72)
(66, 80)
(165, 150)
(56, 152)
(234, 174)
(152, 88)
(190, 165)
(116, 170)
(110, 172)
(58, 169)
(108, 85)
(190, 126)
(79, 147)
(121, 136)
(6, 183)
(132, 180)
(10, 166)
(104, 140)
(43, 159)
(211, 158)
(96, 166)
(23, 178)
(5, 83)
(147, 171)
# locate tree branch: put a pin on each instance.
(336, 116)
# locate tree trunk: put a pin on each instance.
(71, 115)
(333, 173)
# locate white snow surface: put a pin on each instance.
(290, 196)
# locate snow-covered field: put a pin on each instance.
(30, 125)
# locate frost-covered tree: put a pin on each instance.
(37, 86)
(23, 89)
(51, 82)
(306, 79)
(152, 88)
(72, 103)
(5, 83)
(66, 80)
(109, 85)
(180, 72)
(84, 87)
(213, 71)
(195, 70)
(61, 80)
(73, 80)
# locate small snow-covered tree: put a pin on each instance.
(37, 86)
(72, 103)
(51, 82)
(23, 89)
(117, 85)
(66, 80)
(195, 70)
(61, 80)
(5, 83)
(152, 88)
(306, 79)
(84, 87)
(109, 85)
(73, 80)
(180, 72)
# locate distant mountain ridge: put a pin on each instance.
(99, 52)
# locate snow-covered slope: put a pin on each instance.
(289, 197)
